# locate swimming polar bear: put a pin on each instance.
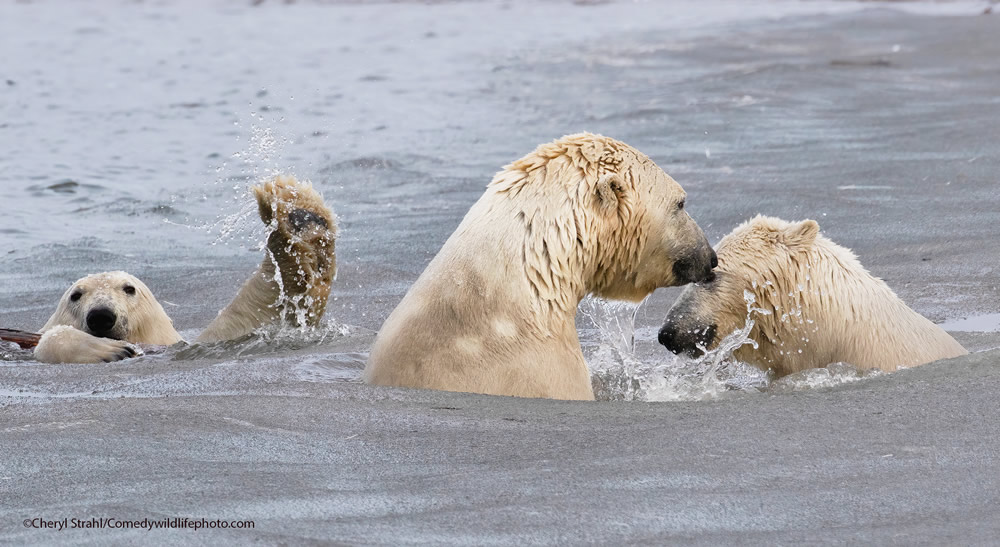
(821, 306)
(495, 311)
(101, 316)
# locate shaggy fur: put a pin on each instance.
(824, 306)
(294, 279)
(291, 284)
(494, 312)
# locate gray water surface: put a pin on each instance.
(132, 131)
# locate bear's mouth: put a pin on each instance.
(110, 335)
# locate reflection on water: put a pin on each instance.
(989, 322)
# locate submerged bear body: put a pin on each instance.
(494, 312)
(101, 316)
(820, 306)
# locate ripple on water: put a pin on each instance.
(336, 367)
(66, 187)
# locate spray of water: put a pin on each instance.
(260, 159)
(620, 373)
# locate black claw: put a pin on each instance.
(129, 351)
(300, 218)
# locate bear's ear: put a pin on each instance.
(801, 235)
(608, 192)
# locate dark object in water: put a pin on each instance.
(880, 61)
(26, 340)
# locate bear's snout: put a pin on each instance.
(698, 267)
(686, 341)
(100, 321)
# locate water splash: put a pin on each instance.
(614, 368)
(259, 160)
(618, 372)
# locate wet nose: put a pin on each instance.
(688, 341)
(668, 337)
(696, 269)
(101, 320)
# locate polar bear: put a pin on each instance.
(495, 310)
(820, 306)
(100, 316)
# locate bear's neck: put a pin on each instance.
(832, 310)
(539, 266)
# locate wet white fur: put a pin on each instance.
(65, 337)
(825, 306)
(494, 312)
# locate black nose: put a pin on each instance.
(715, 259)
(101, 320)
(687, 341)
(694, 269)
(668, 337)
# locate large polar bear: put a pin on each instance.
(102, 315)
(820, 306)
(494, 312)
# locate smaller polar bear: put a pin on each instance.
(820, 306)
(495, 311)
(102, 315)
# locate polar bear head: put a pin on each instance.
(600, 217)
(114, 305)
(770, 258)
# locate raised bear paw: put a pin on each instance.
(301, 244)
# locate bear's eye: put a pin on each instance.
(680, 205)
(75, 296)
(129, 290)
